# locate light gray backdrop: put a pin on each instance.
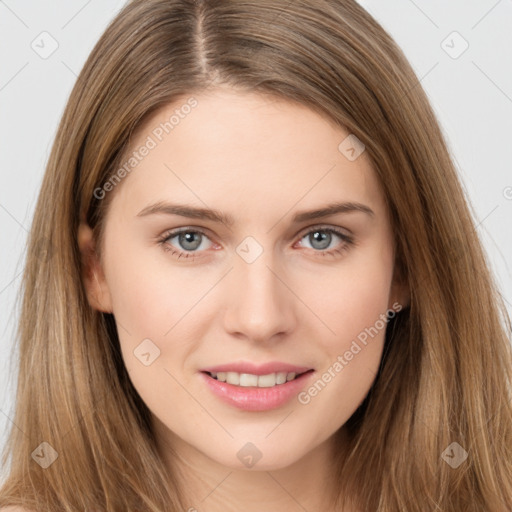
(461, 51)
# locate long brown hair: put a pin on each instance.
(446, 372)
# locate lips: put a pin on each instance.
(253, 369)
(256, 387)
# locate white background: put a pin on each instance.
(471, 94)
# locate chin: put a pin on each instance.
(248, 456)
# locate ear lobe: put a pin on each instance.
(93, 277)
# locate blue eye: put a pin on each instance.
(321, 238)
(190, 241)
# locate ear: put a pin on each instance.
(93, 277)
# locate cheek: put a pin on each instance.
(152, 307)
(156, 306)
(352, 299)
(354, 306)
(150, 294)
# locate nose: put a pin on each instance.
(260, 305)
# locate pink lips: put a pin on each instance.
(262, 369)
(253, 398)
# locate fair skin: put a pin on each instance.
(259, 161)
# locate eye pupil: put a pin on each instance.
(188, 238)
(320, 236)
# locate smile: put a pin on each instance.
(262, 391)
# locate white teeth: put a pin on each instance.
(233, 378)
(267, 381)
(247, 379)
(250, 380)
(280, 377)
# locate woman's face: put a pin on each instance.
(263, 282)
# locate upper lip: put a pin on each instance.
(257, 369)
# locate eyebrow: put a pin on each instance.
(193, 212)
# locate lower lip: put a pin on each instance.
(257, 399)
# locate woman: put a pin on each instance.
(330, 340)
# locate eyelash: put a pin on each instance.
(347, 241)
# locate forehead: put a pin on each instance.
(244, 152)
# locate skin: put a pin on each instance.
(259, 160)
